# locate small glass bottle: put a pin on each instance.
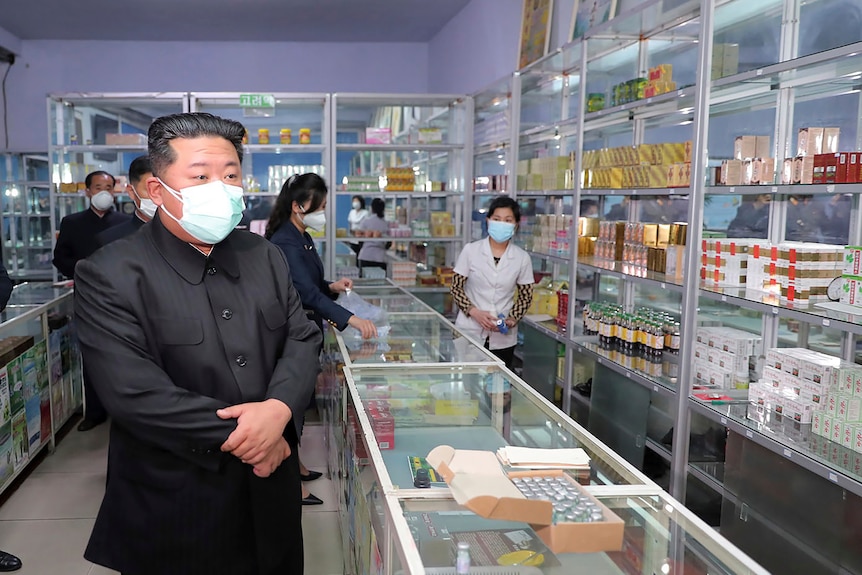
(462, 559)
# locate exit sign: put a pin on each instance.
(256, 101)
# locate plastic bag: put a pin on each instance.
(353, 302)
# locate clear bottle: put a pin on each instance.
(462, 559)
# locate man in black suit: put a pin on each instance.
(77, 238)
(198, 345)
(76, 241)
(139, 172)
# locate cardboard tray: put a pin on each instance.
(478, 483)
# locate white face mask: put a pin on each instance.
(145, 205)
(102, 200)
(210, 211)
(315, 220)
(356, 205)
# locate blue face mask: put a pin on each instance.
(500, 231)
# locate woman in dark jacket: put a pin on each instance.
(299, 207)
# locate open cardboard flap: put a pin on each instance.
(478, 483)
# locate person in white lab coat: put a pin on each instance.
(354, 219)
(493, 278)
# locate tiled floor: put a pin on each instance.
(48, 519)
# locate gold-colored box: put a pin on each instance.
(663, 235)
(650, 235)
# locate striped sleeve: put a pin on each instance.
(523, 299)
(459, 294)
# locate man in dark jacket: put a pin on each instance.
(139, 172)
(199, 347)
(76, 241)
(77, 238)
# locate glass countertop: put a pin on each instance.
(659, 536)
(36, 293)
(471, 407)
(415, 338)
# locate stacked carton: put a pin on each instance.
(644, 166)
(551, 234)
(554, 173)
(725, 60)
(723, 355)
(799, 271)
(811, 387)
(851, 293)
(752, 163)
(402, 272)
(817, 159)
(725, 261)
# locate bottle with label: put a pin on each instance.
(462, 559)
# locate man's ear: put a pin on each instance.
(155, 189)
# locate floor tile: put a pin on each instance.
(322, 541)
(313, 450)
(325, 489)
(48, 547)
(56, 496)
(99, 570)
(78, 452)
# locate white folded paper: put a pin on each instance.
(533, 458)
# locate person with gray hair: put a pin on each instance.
(197, 343)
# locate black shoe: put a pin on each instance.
(88, 424)
(9, 562)
(311, 476)
(312, 500)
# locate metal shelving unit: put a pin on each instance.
(26, 223)
(789, 83)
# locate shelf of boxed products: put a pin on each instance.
(787, 438)
(666, 102)
(792, 280)
(646, 169)
(632, 273)
(823, 71)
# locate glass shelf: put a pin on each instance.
(659, 376)
(812, 189)
(486, 419)
(788, 438)
(628, 272)
(551, 329)
(415, 338)
(670, 530)
(827, 314)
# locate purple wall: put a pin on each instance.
(92, 66)
(480, 44)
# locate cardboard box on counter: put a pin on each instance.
(478, 483)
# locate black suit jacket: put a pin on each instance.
(115, 233)
(169, 337)
(77, 238)
(308, 276)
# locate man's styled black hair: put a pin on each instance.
(139, 167)
(89, 179)
(191, 125)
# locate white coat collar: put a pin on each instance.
(486, 249)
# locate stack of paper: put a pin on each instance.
(532, 458)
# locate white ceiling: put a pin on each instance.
(230, 20)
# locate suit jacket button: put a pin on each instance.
(226, 314)
(211, 271)
(241, 360)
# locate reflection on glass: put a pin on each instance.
(469, 408)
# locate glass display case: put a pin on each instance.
(411, 152)
(390, 526)
(26, 226)
(42, 380)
